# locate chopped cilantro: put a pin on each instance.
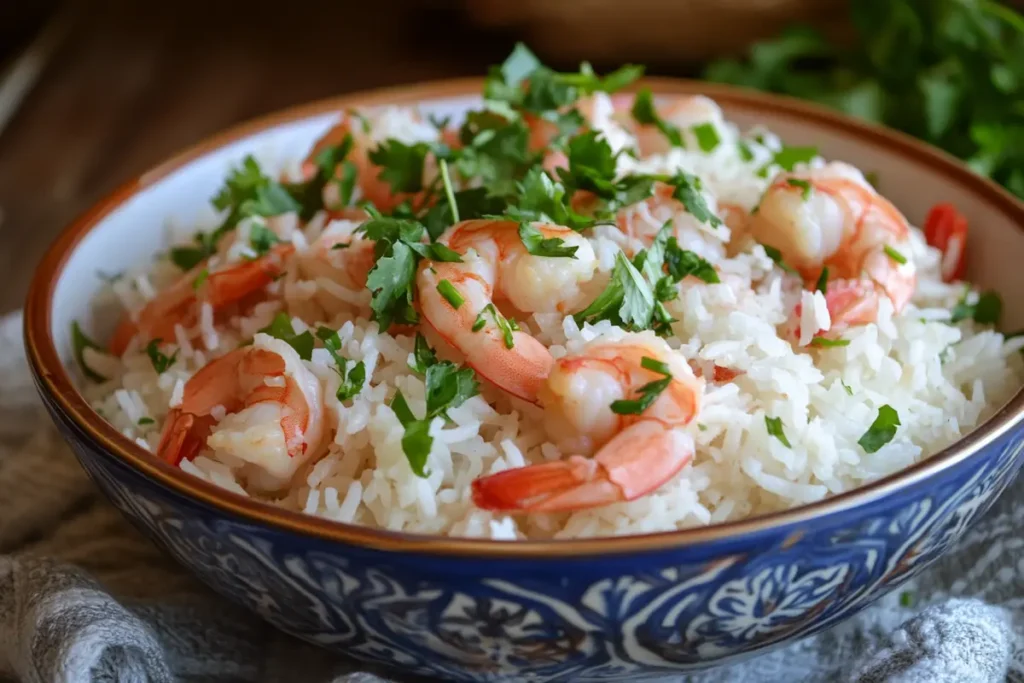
(776, 256)
(774, 427)
(881, 431)
(160, 360)
(645, 114)
(416, 439)
(682, 263)
(539, 198)
(391, 282)
(825, 342)
(707, 136)
(451, 295)
(687, 189)
(822, 284)
(203, 276)
(423, 355)
(648, 393)
(188, 258)
(746, 154)
(986, 310)
(895, 255)
(352, 380)
(79, 343)
(346, 183)
(849, 391)
(906, 599)
(143, 421)
(592, 168)
(401, 165)
(788, 157)
(447, 386)
(804, 185)
(262, 238)
(627, 299)
(281, 328)
(538, 245)
(504, 325)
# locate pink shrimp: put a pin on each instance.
(179, 304)
(832, 217)
(272, 411)
(457, 299)
(634, 454)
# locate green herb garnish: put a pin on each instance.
(446, 289)
(774, 427)
(825, 342)
(645, 113)
(895, 255)
(648, 392)
(352, 379)
(538, 245)
(881, 431)
(822, 284)
(281, 328)
(79, 343)
(804, 185)
(986, 310)
(505, 326)
(161, 362)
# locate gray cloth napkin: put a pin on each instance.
(84, 598)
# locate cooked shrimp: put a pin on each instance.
(497, 267)
(599, 112)
(179, 304)
(832, 217)
(272, 411)
(339, 254)
(402, 124)
(635, 453)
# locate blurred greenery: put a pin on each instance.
(950, 72)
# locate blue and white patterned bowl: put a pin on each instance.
(466, 610)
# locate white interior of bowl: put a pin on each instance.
(134, 231)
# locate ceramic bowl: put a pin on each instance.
(472, 610)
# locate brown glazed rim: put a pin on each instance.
(58, 384)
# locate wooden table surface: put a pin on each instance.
(132, 83)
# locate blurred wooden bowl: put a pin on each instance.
(649, 30)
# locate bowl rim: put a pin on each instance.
(55, 381)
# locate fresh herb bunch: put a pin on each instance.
(950, 72)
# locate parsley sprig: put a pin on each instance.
(447, 386)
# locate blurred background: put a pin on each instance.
(92, 93)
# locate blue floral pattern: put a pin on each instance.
(597, 618)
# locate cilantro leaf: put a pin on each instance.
(262, 238)
(788, 157)
(391, 283)
(627, 300)
(505, 327)
(645, 114)
(707, 137)
(987, 310)
(776, 256)
(281, 328)
(416, 440)
(401, 165)
(804, 185)
(682, 263)
(473, 203)
(188, 258)
(881, 431)
(774, 427)
(352, 380)
(648, 392)
(540, 198)
(161, 362)
(538, 245)
(424, 355)
(687, 189)
(448, 386)
(79, 343)
(822, 284)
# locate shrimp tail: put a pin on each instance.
(183, 437)
(636, 462)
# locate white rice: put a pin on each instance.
(943, 380)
